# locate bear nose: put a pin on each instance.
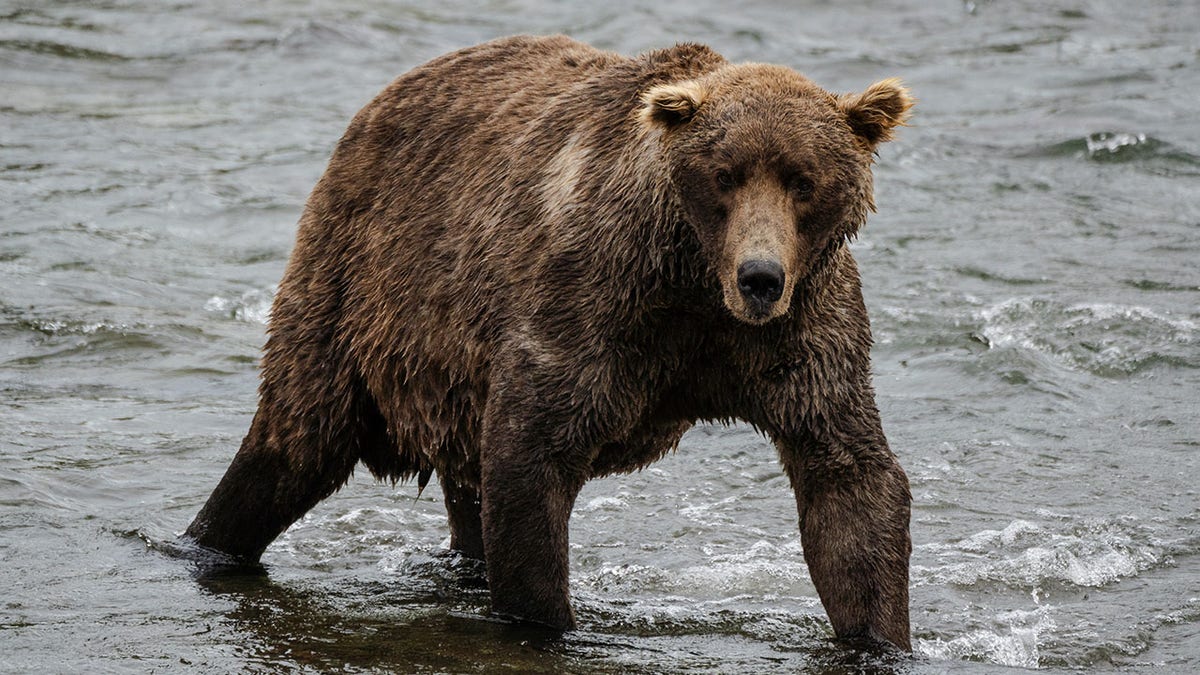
(760, 280)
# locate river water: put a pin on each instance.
(1031, 276)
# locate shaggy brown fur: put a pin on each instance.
(530, 263)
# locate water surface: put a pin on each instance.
(1031, 276)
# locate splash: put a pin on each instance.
(1029, 556)
(1013, 640)
(761, 566)
(253, 306)
(1116, 147)
(1111, 144)
(58, 327)
(1100, 338)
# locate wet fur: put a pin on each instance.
(510, 276)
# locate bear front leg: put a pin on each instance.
(526, 507)
(532, 468)
(854, 527)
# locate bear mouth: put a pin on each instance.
(759, 313)
(755, 312)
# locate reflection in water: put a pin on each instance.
(377, 625)
(393, 626)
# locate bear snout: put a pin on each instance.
(760, 282)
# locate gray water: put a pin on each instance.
(1031, 275)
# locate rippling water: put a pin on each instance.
(1031, 275)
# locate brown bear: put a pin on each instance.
(530, 263)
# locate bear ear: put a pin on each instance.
(874, 113)
(669, 105)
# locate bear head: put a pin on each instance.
(770, 170)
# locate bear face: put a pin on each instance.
(770, 169)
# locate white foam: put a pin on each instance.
(1103, 311)
(763, 565)
(1015, 641)
(1028, 555)
(253, 306)
(1106, 143)
(710, 514)
(57, 327)
(387, 534)
(986, 540)
(1099, 337)
(604, 504)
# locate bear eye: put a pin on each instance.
(800, 187)
(725, 179)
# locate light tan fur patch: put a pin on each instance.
(563, 174)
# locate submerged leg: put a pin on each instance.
(314, 420)
(463, 507)
(854, 531)
(536, 454)
(525, 511)
(265, 489)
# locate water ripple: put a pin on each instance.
(1101, 338)
(1013, 640)
(1031, 556)
(1116, 147)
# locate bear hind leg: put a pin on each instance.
(463, 509)
(290, 460)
